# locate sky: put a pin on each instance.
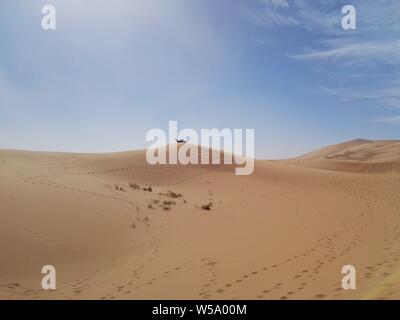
(113, 70)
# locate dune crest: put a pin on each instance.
(360, 155)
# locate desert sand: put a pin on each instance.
(115, 227)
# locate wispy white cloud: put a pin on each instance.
(376, 36)
(277, 3)
(324, 16)
(387, 52)
(296, 13)
(372, 51)
(374, 41)
(268, 16)
(392, 103)
(387, 98)
(389, 120)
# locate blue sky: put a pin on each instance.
(112, 70)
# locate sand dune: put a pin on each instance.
(117, 228)
(358, 155)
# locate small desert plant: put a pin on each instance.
(172, 194)
(149, 189)
(168, 202)
(133, 225)
(150, 206)
(207, 206)
(134, 186)
(119, 188)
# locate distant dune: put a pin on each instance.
(364, 156)
(116, 227)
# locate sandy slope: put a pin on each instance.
(366, 156)
(283, 232)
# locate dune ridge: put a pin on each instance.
(359, 155)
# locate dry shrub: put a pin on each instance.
(134, 186)
(119, 188)
(207, 206)
(172, 194)
(168, 202)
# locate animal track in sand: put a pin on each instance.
(55, 185)
(211, 268)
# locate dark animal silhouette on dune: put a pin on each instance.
(180, 140)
